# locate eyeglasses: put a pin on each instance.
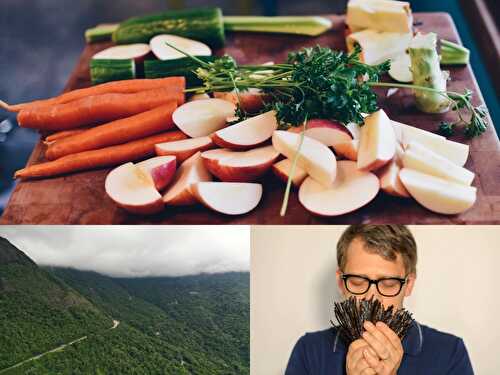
(386, 286)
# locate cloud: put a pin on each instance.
(136, 251)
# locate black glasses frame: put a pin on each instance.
(402, 282)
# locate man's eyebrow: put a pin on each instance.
(380, 276)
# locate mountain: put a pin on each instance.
(196, 325)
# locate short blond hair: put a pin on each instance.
(384, 240)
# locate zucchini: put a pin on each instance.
(301, 25)
(105, 70)
(202, 24)
(178, 67)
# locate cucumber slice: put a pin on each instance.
(178, 67)
(111, 70)
(400, 69)
(131, 51)
(162, 51)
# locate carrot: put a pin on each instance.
(117, 87)
(116, 132)
(104, 157)
(93, 109)
(62, 134)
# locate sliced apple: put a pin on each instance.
(160, 168)
(377, 144)
(248, 133)
(190, 172)
(251, 100)
(423, 159)
(348, 150)
(133, 189)
(390, 182)
(200, 118)
(314, 157)
(184, 148)
(230, 198)
(240, 166)
(355, 129)
(453, 151)
(283, 168)
(351, 190)
(437, 194)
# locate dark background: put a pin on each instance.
(40, 41)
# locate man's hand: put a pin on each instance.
(387, 351)
(356, 364)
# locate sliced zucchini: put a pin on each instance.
(179, 67)
(162, 51)
(135, 51)
(105, 70)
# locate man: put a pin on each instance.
(379, 261)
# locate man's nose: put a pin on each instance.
(372, 292)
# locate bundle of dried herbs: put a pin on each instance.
(351, 314)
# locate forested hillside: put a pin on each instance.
(168, 325)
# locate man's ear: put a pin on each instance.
(410, 284)
(340, 282)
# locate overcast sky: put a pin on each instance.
(136, 251)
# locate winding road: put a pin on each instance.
(116, 323)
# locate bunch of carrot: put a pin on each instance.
(103, 125)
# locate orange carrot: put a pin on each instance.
(63, 134)
(117, 87)
(116, 132)
(93, 109)
(104, 157)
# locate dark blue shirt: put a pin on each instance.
(426, 351)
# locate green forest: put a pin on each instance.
(168, 325)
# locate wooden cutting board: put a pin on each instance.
(80, 198)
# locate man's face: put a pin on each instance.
(373, 266)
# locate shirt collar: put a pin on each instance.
(412, 343)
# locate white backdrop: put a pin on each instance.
(293, 288)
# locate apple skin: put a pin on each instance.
(160, 168)
(325, 131)
(348, 150)
(251, 101)
(185, 154)
(282, 169)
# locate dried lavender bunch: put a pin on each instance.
(351, 314)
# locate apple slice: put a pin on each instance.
(184, 148)
(351, 190)
(200, 118)
(390, 182)
(133, 189)
(162, 51)
(327, 132)
(377, 144)
(248, 133)
(251, 100)
(240, 166)
(355, 130)
(437, 194)
(190, 172)
(314, 157)
(283, 168)
(423, 159)
(348, 150)
(160, 168)
(230, 198)
(453, 151)
(136, 52)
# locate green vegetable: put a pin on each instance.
(427, 73)
(100, 33)
(291, 25)
(177, 67)
(203, 24)
(104, 70)
(453, 54)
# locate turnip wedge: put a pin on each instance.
(162, 50)
(135, 52)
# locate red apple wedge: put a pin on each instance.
(133, 189)
(283, 168)
(437, 194)
(327, 132)
(160, 168)
(314, 157)
(200, 118)
(184, 148)
(251, 100)
(348, 150)
(389, 180)
(230, 198)
(248, 133)
(377, 144)
(351, 190)
(190, 172)
(240, 166)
